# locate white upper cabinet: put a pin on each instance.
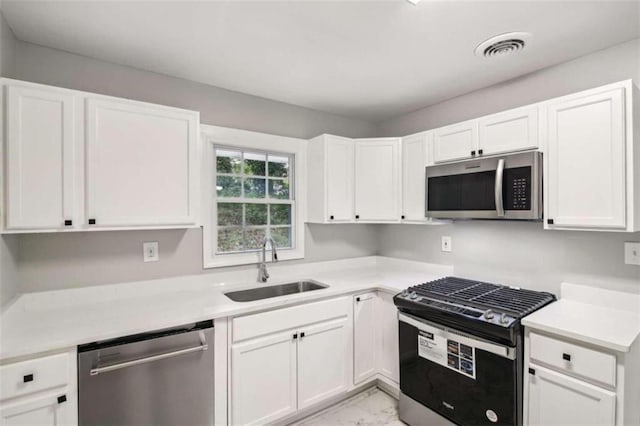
(414, 160)
(509, 131)
(455, 142)
(140, 164)
(377, 180)
(77, 161)
(40, 152)
(330, 179)
(591, 161)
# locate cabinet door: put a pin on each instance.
(414, 161)
(263, 379)
(40, 153)
(514, 130)
(365, 342)
(377, 180)
(559, 400)
(456, 142)
(323, 361)
(387, 317)
(40, 411)
(141, 164)
(339, 169)
(585, 173)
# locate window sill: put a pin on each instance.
(252, 258)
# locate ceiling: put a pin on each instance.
(368, 59)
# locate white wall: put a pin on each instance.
(217, 106)
(514, 252)
(518, 253)
(617, 63)
(7, 49)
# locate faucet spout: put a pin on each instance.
(263, 274)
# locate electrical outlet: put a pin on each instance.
(632, 253)
(446, 243)
(150, 251)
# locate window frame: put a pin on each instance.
(244, 140)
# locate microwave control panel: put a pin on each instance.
(517, 188)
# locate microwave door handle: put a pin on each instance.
(498, 188)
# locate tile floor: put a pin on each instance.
(371, 407)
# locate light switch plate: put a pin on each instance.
(150, 251)
(632, 253)
(446, 243)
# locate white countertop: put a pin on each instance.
(46, 321)
(606, 318)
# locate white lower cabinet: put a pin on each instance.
(40, 391)
(289, 359)
(38, 411)
(263, 372)
(388, 352)
(375, 338)
(323, 351)
(365, 333)
(557, 399)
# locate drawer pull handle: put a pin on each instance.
(295, 336)
(302, 335)
(566, 357)
(62, 398)
(27, 378)
(532, 371)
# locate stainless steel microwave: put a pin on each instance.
(502, 187)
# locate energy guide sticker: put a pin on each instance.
(447, 352)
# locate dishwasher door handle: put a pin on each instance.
(107, 368)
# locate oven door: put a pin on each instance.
(469, 381)
(506, 187)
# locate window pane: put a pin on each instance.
(228, 161)
(256, 214)
(229, 214)
(228, 186)
(280, 214)
(255, 164)
(282, 237)
(253, 238)
(279, 189)
(278, 166)
(254, 188)
(229, 239)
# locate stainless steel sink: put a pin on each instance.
(259, 293)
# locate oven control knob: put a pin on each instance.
(404, 293)
(413, 295)
(504, 319)
(489, 314)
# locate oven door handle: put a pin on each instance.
(465, 338)
(498, 188)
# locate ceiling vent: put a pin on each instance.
(503, 44)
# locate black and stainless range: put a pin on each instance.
(461, 352)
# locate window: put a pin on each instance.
(254, 199)
(252, 190)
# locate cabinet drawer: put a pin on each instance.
(572, 358)
(34, 375)
(288, 318)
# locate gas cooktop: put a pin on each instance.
(494, 304)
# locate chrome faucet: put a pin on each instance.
(263, 275)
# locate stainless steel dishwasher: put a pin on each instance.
(159, 378)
